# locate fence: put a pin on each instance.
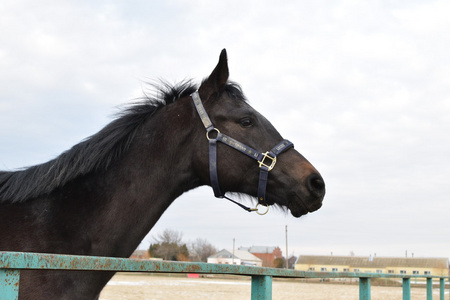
(261, 278)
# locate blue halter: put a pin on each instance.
(265, 160)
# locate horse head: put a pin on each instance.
(292, 182)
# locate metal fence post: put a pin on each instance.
(441, 288)
(364, 288)
(261, 287)
(9, 284)
(406, 288)
(429, 288)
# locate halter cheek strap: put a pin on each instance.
(266, 161)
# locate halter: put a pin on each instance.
(266, 161)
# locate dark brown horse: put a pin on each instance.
(104, 195)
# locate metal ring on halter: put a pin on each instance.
(263, 213)
(207, 134)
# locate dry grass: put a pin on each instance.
(151, 286)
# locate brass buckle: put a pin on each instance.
(263, 163)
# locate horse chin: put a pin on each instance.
(297, 208)
(297, 211)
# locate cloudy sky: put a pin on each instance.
(362, 88)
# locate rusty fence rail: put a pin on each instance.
(11, 263)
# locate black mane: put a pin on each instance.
(95, 153)
(98, 151)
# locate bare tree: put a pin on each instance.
(291, 262)
(201, 249)
(169, 236)
(168, 245)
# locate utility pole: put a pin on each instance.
(287, 256)
(232, 259)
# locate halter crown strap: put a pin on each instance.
(202, 112)
(266, 160)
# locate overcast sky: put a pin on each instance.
(362, 88)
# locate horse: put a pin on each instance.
(102, 196)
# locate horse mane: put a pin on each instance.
(97, 152)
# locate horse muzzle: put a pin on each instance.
(310, 200)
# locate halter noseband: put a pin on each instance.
(266, 160)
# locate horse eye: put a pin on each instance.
(246, 122)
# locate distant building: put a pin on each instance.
(265, 253)
(369, 264)
(240, 258)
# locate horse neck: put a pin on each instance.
(146, 181)
(116, 208)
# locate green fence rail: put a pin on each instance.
(11, 263)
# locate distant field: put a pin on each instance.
(148, 286)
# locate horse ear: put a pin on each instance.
(218, 78)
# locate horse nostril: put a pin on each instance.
(316, 185)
